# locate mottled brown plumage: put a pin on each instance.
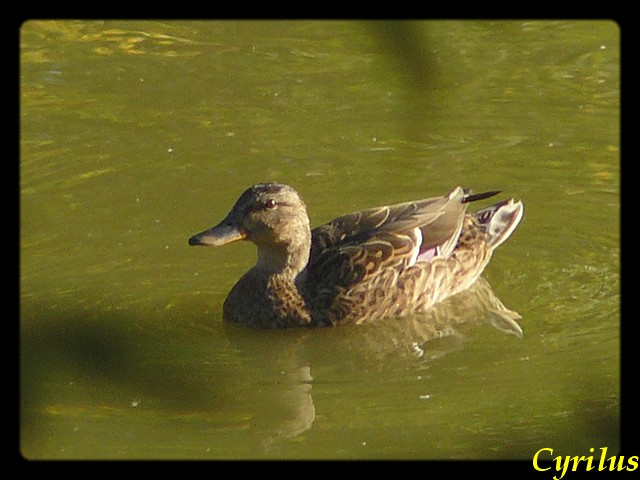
(382, 262)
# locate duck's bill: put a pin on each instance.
(218, 235)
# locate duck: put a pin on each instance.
(389, 261)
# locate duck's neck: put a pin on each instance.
(283, 259)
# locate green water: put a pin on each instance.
(135, 135)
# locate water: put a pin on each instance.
(136, 135)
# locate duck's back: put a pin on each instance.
(401, 259)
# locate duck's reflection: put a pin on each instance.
(292, 411)
(284, 361)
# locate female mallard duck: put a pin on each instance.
(382, 262)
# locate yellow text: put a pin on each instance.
(564, 464)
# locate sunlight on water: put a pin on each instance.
(136, 135)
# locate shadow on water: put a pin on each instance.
(407, 50)
(119, 359)
(404, 44)
(74, 362)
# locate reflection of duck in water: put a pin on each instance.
(284, 366)
(442, 329)
(388, 261)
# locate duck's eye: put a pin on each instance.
(270, 204)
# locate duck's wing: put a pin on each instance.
(355, 247)
(392, 235)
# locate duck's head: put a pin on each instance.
(271, 215)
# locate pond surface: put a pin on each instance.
(136, 135)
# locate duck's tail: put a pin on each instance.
(469, 196)
(499, 220)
